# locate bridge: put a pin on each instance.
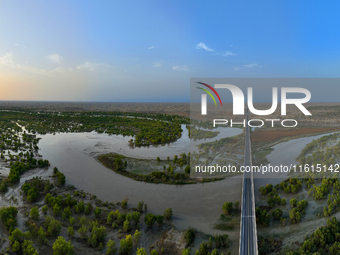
(248, 234)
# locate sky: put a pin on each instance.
(147, 51)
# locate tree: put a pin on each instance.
(277, 213)
(140, 206)
(16, 246)
(322, 241)
(210, 243)
(53, 226)
(70, 231)
(136, 217)
(72, 221)
(150, 219)
(3, 186)
(34, 213)
(109, 219)
(125, 202)
(17, 235)
(141, 251)
(203, 250)
(62, 247)
(137, 235)
(121, 218)
(42, 237)
(294, 215)
(111, 247)
(126, 245)
(47, 198)
(60, 177)
(293, 202)
(8, 216)
(214, 252)
(28, 248)
(186, 251)
(67, 212)
(227, 207)
(301, 205)
(221, 240)
(237, 204)
(168, 213)
(31, 195)
(92, 240)
(44, 209)
(160, 220)
(97, 235)
(129, 217)
(80, 207)
(88, 208)
(126, 225)
(189, 236)
(57, 210)
(262, 216)
(283, 201)
(83, 231)
(267, 189)
(97, 212)
(154, 252)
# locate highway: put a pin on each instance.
(248, 234)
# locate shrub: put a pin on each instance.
(150, 219)
(168, 213)
(227, 207)
(189, 235)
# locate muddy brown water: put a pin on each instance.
(197, 205)
(284, 153)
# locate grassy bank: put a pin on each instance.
(117, 163)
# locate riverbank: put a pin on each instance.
(164, 177)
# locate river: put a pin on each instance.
(196, 205)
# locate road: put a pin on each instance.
(248, 235)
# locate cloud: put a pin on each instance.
(7, 63)
(252, 65)
(55, 58)
(7, 60)
(151, 47)
(180, 68)
(157, 64)
(227, 54)
(202, 45)
(224, 53)
(16, 44)
(93, 66)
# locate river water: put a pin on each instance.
(284, 153)
(197, 205)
